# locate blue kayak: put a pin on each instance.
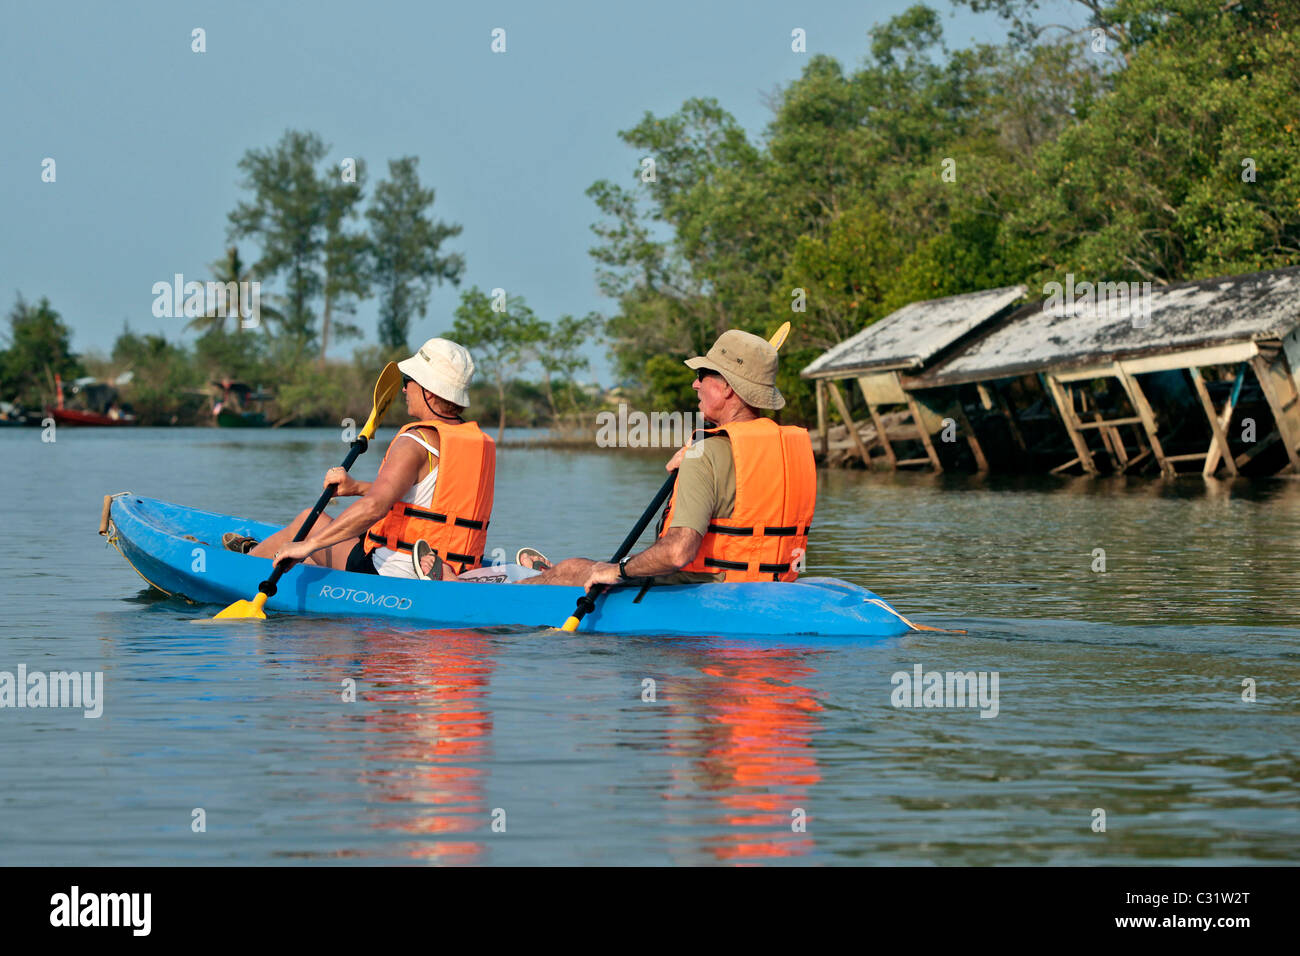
(178, 551)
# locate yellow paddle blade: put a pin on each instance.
(387, 386)
(245, 609)
(571, 624)
(779, 337)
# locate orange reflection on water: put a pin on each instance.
(430, 750)
(757, 759)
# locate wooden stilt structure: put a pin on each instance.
(823, 432)
(848, 421)
(1284, 402)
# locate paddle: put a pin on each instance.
(587, 603)
(386, 389)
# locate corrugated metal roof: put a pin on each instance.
(914, 335)
(1257, 305)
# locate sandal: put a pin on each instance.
(239, 543)
(536, 560)
(421, 550)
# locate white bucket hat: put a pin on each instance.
(442, 367)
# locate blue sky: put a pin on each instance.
(147, 134)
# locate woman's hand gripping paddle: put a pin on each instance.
(386, 389)
(587, 603)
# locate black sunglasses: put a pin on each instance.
(702, 373)
(406, 380)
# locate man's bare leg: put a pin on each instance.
(571, 571)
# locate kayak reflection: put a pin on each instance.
(430, 750)
(753, 756)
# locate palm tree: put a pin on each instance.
(227, 270)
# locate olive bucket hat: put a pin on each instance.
(748, 363)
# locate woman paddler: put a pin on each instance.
(435, 484)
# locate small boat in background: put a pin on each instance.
(12, 415)
(239, 405)
(90, 402)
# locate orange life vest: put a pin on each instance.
(776, 494)
(455, 523)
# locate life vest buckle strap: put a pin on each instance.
(781, 532)
(726, 565)
(411, 511)
(726, 529)
(471, 524)
(773, 568)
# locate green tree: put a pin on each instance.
(161, 374)
(559, 352)
(346, 257)
(501, 342)
(405, 244)
(231, 272)
(287, 217)
(38, 348)
(1110, 198)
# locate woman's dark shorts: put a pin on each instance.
(359, 560)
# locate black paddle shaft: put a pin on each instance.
(359, 444)
(660, 497)
(587, 603)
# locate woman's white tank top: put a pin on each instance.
(395, 563)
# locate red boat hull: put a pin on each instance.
(70, 416)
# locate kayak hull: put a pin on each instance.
(178, 550)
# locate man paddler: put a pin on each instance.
(745, 492)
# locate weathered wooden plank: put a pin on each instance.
(1132, 462)
(823, 432)
(1011, 419)
(1110, 422)
(1284, 421)
(1268, 441)
(882, 388)
(1143, 408)
(1066, 408)
(848, 421)
(882, 436)
(1219, 439)
(981, 463)
(925, 432)
(1211, 355)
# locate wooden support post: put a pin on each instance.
(981, 463)
(1225, 419)
(883, 437)
(1064, 406)
(848, 421)
(1143, 408)
(823, 431)
(924, 432)
(1108, 438)
(1268, 441)
(1140, 456)
(1279, 409)
(1011, 419)
(1219, 438)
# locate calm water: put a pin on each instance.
(1119, 691)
